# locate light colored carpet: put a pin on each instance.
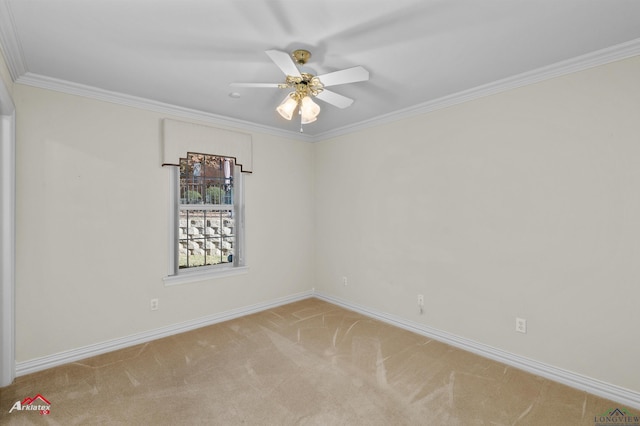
(306, 363)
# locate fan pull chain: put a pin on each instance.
(300, 114)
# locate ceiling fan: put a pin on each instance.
(307, 86)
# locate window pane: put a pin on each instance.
(206, 179)
(205, 237)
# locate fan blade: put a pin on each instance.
(284, 61)
(349, 75)
(334, 99)
(269, 85)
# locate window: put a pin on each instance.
(208, 231)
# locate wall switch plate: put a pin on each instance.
(521, 325)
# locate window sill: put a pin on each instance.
(185, 277)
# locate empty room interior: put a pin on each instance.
(331, 212)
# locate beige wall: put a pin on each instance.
(92, 226)
(524, 203)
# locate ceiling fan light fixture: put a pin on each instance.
(309, 110)
(306, 85)
(287, 107)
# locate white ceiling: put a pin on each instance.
(421, 54)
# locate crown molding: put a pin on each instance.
(579, 63)
(9, 42)
(44, 82)
(19, 73)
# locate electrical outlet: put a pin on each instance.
(154, 304)
(420, 300)
(521, 325)
(344, 281)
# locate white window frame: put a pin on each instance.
(175, 275)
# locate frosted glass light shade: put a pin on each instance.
(309, 110)
(287, 107)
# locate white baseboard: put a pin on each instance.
(615, 393)
(39, 364)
